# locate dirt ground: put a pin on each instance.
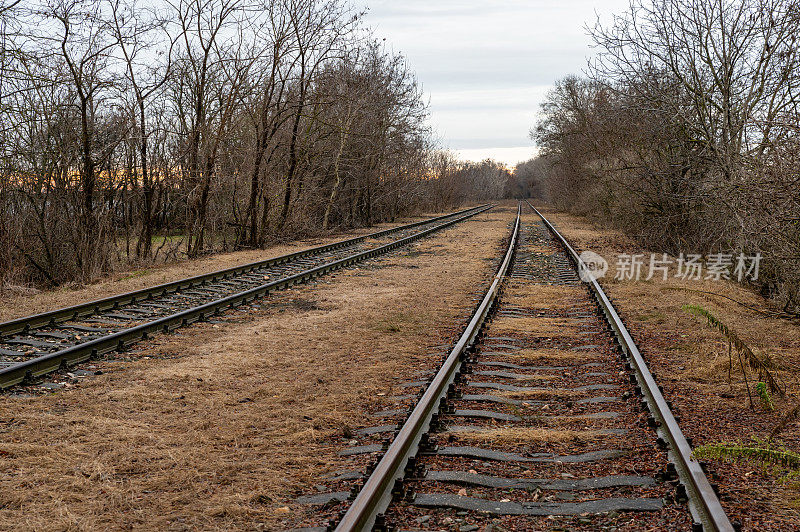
(690, 360)
(18, 302)
(222, 425)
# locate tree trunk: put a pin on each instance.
(145, 243)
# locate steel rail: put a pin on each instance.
(376, 494)
(34, 367)
(703, 501)
(110, 303)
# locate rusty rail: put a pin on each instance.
(376, 494)
(93, 307)
(703, 501)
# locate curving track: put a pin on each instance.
(39, 344)
(542, 416)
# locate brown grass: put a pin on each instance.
(536, 377)
(248, 416)
(527, 394)
(656, 306)
(535, 327)
(550, 355)
(532, 248)
(540, 296)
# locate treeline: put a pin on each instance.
(140, 131)
(457, 181)
(685, 133)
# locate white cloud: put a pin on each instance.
(486, 65)
(509, 156)
(490, 117)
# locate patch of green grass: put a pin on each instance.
(137, 273)
(766, 398)
(160, 239)
(779, 461)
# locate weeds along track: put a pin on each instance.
(36, 345)
(543, 416)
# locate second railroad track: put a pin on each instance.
(43, 343)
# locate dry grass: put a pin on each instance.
(540, 296)
(548, 392)
(535, 377)
(246, 418)
(535, 327)
(523, 435)
(655, 305)
(533, 248)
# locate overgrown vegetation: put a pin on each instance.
(761, 452)
(138, 130)
(762, 365)
(685, 133)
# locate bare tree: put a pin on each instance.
(205, 65)
(685, 131)
(75, 35)
(189, 126)
(318, 31)
(270, 112)
(736, 63)
(138, 34)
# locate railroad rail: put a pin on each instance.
(36, 345)
(376, 494)
(703, 501)
(577, 359)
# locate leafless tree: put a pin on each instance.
(138, 33)
(683, 134)
(188, 126)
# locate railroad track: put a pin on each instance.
(43, 343)
(542, 416)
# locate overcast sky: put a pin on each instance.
(486, 65)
